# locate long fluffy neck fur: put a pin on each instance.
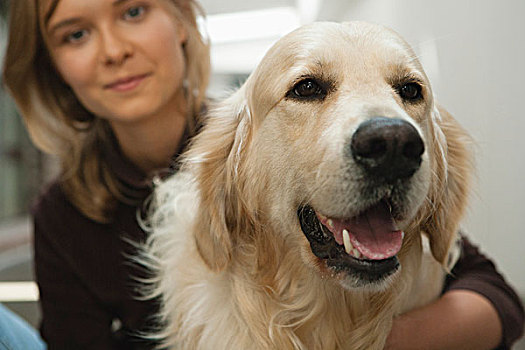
(287, 305)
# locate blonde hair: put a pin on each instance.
(60, 125)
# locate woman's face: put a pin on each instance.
(122, 58)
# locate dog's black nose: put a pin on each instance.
(387, 148)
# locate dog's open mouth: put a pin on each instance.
(365, 245)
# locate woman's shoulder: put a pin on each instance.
(52, 199)
(54, 212)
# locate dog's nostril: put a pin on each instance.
(372, 148)
(414, 149)
(387, 148)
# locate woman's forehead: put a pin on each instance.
(46, 9)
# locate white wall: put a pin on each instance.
(474, 53)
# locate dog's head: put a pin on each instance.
(335, 143)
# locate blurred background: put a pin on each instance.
(472, 50)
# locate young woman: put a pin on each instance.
(113, 88)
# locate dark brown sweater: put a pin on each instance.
(83, 271)
(87, 295)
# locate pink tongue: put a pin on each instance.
(373, 233)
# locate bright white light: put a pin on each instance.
(308, 10)
(240, 39)
(18, 291)
(250, 25)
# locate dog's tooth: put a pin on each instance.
(356, 253)
(330, 224)
(347, 243)
(402, 235)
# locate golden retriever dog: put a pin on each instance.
(319, 201)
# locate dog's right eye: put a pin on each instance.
(411, 92)
(307, 89)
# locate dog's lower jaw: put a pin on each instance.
(357, 276)
(351, 283)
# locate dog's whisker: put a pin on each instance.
(320, 187)
(434, 40)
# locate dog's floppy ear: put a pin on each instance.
(218, 151)
(452, 172)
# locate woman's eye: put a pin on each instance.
(411, 91)
(307, 89)
(76, 36)
(134, 12)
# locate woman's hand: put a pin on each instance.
(460, 319)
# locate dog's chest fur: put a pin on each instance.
(275, 304)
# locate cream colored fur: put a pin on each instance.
(231, 264)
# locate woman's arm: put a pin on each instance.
(85, 279)
(478, 310)
(71, 316)
(460, 319)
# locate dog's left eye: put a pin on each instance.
(307, 89)
(411, 91)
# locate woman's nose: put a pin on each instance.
(115, 48)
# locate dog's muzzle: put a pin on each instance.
(389, 152)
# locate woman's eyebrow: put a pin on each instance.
(118, 2)
(68, 21)
(64, 23)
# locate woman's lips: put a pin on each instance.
(126, 84)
